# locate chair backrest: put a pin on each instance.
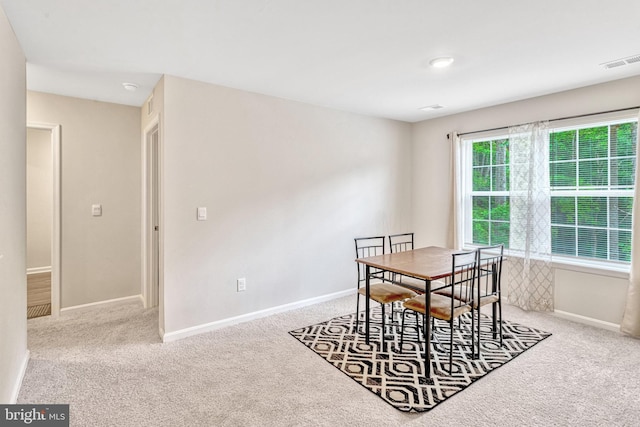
(489, 270)
(401, 242)
(463, 276)
(366, 247)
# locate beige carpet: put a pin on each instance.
(110, 366)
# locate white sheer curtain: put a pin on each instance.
(631, 319)
(529, 273)
(457, 172)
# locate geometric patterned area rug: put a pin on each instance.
(38, 311)
(397, 376)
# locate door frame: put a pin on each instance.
(147, 212)
(56, 217)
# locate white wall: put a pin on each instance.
(100, 164)
(13, 294)
(39, 198)
(287, 187)
(589, 294)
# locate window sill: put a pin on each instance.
(593, 267)
(600, 268)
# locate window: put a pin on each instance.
(591, 174)
(490, 192)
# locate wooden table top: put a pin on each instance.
(430, 263)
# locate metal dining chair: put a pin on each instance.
(383, 292)
(486, 290)
(488, 286)
(446, 308)
(400, 243)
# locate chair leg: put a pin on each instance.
(419, 330)
(479, 334)
(450, 345)
(500, 324)
(402, 329)
(495, 323)
(383, 328)
(357, 311)
(473, 333)
(393, 313)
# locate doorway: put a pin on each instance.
(151, 216)
(43, 219)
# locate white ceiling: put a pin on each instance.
(364, 56)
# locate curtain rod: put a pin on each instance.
(553, 120)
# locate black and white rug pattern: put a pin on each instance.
(398, 376)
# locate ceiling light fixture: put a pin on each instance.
(131, 87)
(441, 62)
(432, 107)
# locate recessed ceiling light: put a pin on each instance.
(432, 107)
(441, 62)
(131, 87)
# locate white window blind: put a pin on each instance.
(591, 170)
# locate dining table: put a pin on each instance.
(428, 264)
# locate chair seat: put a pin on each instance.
(385, 293)
(416, 284)
(440, 306)
(487, 299)
(461, 293)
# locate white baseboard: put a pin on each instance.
(18, 384)
(587, 320)
(208, 327)
(37, 270)
(110, 301)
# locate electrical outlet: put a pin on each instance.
(242, 284)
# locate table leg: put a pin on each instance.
(427, 329)
(367, 281)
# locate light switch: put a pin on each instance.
(96, 210)
(202, 214)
